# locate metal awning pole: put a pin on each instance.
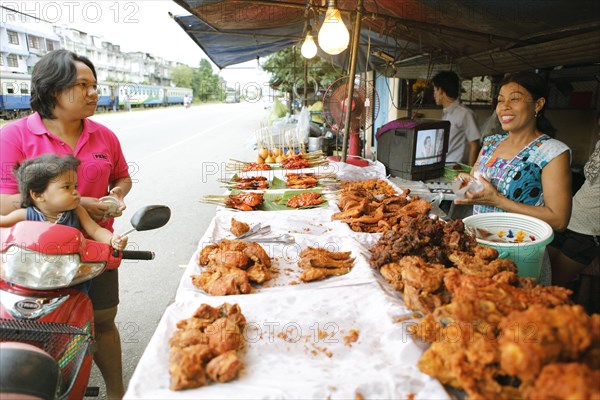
(350, 93)
(305, 102)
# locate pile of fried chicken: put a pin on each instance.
(363, 212)
(492, 333)
(373, 186)
(230, 267)
(205, 347)
(318, 263)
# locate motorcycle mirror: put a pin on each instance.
(150, 217)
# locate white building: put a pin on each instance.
(24, 39)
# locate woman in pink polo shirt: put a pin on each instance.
(63, 96)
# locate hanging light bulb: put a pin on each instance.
(333, 35)
(309, 48)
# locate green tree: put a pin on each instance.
(206, 85)
(182, 76)
(286, 67)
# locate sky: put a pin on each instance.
(142, 25)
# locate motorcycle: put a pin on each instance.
(46, 325)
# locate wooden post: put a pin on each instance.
(350, 93)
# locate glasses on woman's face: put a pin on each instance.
(88, 88)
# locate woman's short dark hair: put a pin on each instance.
(537, 87)
(52, 74)
(449, 82)
(35, 174)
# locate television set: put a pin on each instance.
(413, 149)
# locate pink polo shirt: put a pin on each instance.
(98, 149)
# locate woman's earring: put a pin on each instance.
(536, 114)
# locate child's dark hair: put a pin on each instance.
(35, 174)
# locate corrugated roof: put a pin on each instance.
(477, 37)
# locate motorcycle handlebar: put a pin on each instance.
(137, 255)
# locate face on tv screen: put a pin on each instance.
(430, 146)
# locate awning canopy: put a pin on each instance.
(474, 37)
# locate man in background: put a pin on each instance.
(465, 143)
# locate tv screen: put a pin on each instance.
(413, 149)
(430, 146)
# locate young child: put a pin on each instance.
(48, 187)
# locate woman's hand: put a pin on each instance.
(488, 196)
(95, 208)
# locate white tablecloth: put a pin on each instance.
(294, 345)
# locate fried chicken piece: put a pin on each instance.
(224, 367)
(247, 201)
(223, 283)
(467, 360)
(205, 252)
(538, 336)
(566, 381)
(208, 312)
(423, 284)
(315, 274)
(187, 337)
(228, 259)
(392, 273)
(592, 357)
(294, 162)
(474, 265)
(250, 183)
(256, 253)
(255, 167)
(316, 261)
(198, 324)
(324, 263)
(186, 366)
(223, 335)
(238, 228)
(258, 273)
(233, 312)
(306, 199)
(318, 252)
(301, 181)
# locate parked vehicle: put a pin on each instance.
(232, 95)
(16, 94)
(45, 323)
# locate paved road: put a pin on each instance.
(176, 156)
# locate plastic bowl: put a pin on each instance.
(528, 254)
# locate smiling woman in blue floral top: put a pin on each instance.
(524, 170)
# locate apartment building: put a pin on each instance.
(24, 39)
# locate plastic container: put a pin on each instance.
(460, 187)
(528, 254)
(112, 203)
(451, 170)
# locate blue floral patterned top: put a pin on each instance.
(519, 179)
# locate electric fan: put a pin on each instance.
(363, 109)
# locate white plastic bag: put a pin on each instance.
(303, 125)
